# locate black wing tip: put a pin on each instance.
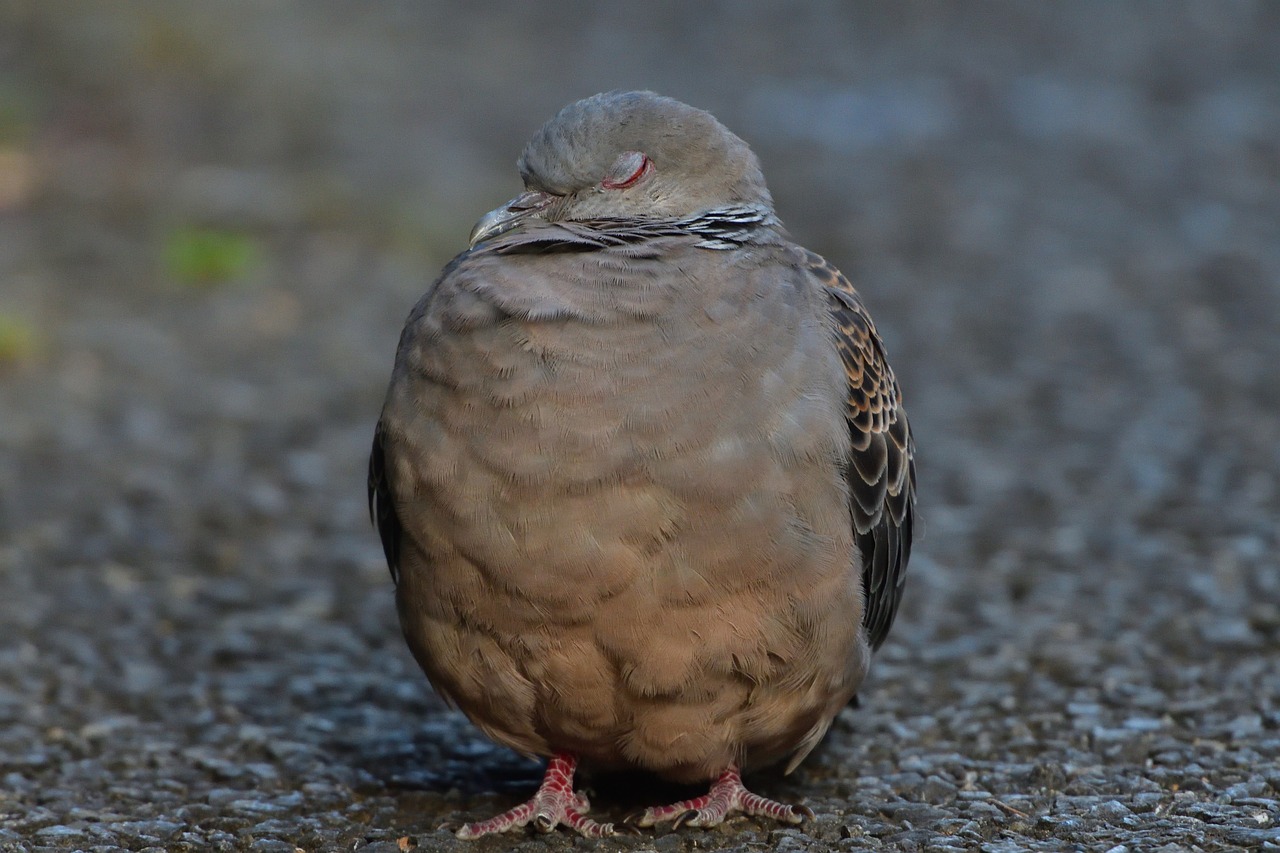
(381, 509)
(886, 551)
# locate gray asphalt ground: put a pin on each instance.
(1065, 218)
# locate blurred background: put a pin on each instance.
(214, 218)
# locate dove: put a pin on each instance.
(643, 476)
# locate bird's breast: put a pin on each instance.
(655, 497)
(576, 434)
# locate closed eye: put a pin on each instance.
(627, 170)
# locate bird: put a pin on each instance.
(643, 475)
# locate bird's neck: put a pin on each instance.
(729, 227)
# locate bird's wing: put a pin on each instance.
(882, 472)
(381, 508)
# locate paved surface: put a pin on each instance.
(1066, 220)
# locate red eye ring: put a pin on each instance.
(644, 166)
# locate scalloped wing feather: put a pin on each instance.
(882, 464)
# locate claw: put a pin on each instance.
(555, 803)
(727, 796)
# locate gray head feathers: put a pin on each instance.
(698, 164)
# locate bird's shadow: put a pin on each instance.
(447, 758)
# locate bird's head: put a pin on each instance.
(629, 155)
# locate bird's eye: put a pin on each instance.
(627, 170)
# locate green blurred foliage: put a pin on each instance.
(19, 341)
(208, 256)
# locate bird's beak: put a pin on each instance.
(508, 216)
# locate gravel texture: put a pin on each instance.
(1065, 218)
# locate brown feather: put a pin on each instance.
(882, 467)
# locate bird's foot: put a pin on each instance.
(554, 804)
(727, 796)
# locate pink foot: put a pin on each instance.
(555, 803)
(727, 795)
